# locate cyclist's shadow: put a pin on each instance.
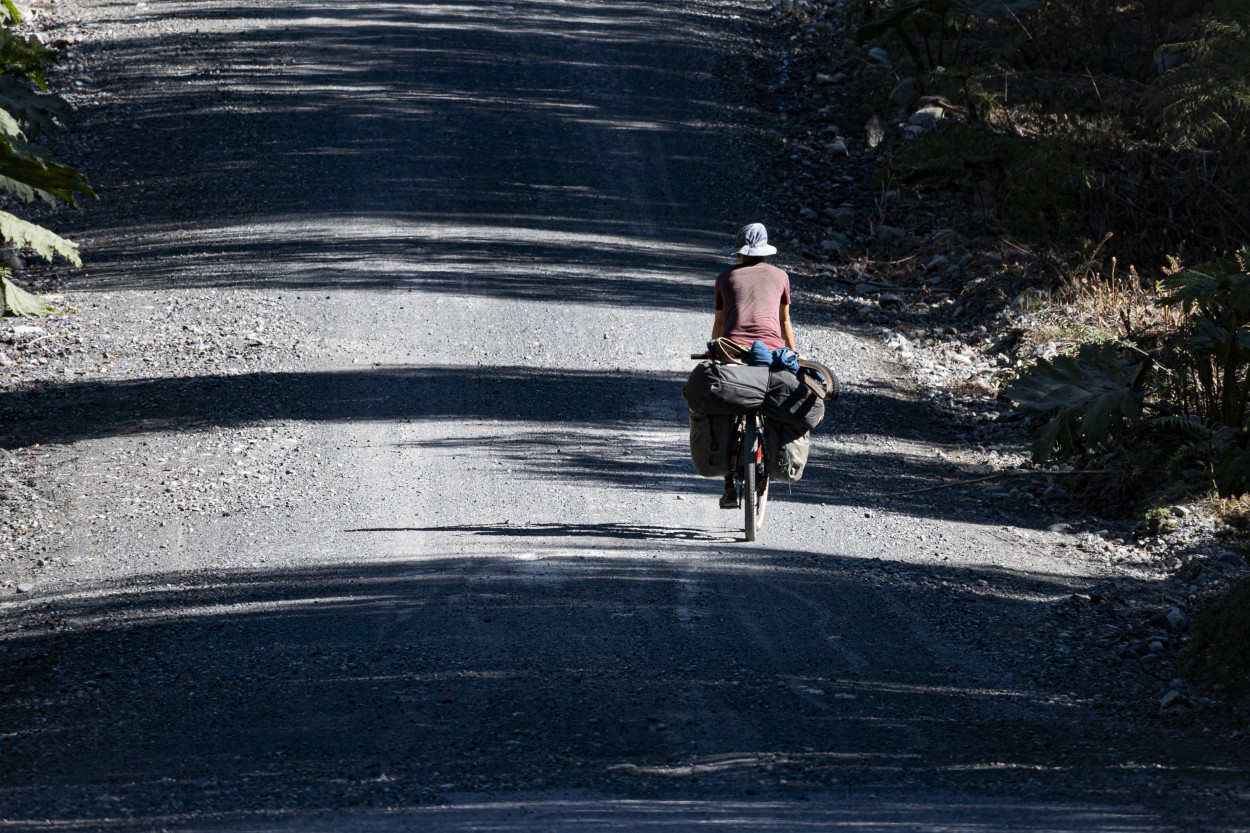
(541, 530)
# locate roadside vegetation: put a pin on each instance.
(1111, 142)
(30, 112)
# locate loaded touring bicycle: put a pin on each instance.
(751, 422)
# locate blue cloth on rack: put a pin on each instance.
(785, 359)
(761, 355)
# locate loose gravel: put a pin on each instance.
(419, 607)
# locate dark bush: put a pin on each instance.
(1218, 653)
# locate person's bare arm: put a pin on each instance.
(718, 324)
(787, 329)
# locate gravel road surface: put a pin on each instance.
(370, 501)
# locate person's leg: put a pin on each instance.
(729, 499)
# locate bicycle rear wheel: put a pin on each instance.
(761, 490)
(750, 498)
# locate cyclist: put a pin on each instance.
(752, 303)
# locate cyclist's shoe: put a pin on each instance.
(729, 500)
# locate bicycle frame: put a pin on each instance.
(750, 471)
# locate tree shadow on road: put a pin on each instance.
(196, 699)
(521, 152)
(621, 429)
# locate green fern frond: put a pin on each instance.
(1188, 424)
(1206, 97)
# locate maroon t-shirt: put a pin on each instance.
(751, 297)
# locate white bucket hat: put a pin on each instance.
(753, 242)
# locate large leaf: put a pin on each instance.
(1224, 283)
(1093, 392)
(1058, 433)
(20, 163)
(24, 192)
(1232, 473)
(17, 301)
(1209, 336)
(9, 125)
(39, 111)
(45, 243)
(21, 57)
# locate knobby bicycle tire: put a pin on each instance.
(749, 497)
(761, 490)
(830, 389)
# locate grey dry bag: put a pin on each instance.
(735, 389)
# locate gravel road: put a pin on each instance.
(355, 496)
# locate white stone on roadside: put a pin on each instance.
(1181, 511)
(1171, 699)
(874, 132)
(822, 78)
(25, 587)
(879, 55)
(1060, 527)
(1176, 619)
(926, 117)
(838, 145)
(27, 330)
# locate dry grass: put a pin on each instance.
(1121, 301)
(1100, 301)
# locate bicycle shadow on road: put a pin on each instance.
(614, 531)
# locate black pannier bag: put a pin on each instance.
(710, 441)
(786, 450)
(790, 401)
(715, 388)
